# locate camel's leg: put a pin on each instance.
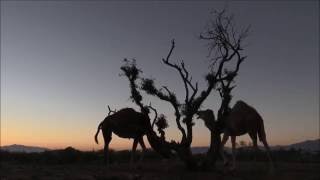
(134, 147)
(233, 142)
(107, 136)
(266, 146)
(223, 142)
(254, 144)
(143, 146)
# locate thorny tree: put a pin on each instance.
(225, 47)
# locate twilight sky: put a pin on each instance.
(60, 65)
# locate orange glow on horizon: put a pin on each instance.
(58, 137)
(117, 143)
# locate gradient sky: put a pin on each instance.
(60, 65)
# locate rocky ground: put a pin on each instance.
(154, 170)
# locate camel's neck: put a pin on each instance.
(158, 144)
(208, 118)
(209, 121)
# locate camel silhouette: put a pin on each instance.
(242, 119)
(127, 123)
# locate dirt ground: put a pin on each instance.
(154, 170)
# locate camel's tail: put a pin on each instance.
(261, 131)
(96, 136)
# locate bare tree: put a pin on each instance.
(226, 45)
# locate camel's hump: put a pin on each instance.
(129, 117)
(128, 113)
(127, 110)
(240, 105)
(243, 107)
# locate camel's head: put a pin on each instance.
(208, 117)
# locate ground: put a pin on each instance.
(155, 170)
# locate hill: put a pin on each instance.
(309, 145)
(24, 149)
(306, 146)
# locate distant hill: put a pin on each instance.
(22, 148)
(307, 146)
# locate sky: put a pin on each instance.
(60, 66)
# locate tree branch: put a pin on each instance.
(155, 114)
(184, 74)
(111, 111)
(148, 86)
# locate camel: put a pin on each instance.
(242, 119)
(125, 123)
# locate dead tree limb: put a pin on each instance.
(155, 114)
(224, 40)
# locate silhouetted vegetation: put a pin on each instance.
(225, 43)
(71, 155)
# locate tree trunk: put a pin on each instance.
(185, 154)
(165, 149)
(214, 150)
